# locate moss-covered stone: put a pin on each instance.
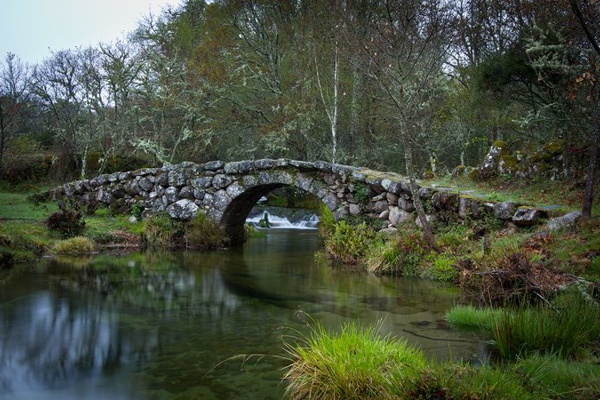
(507, 164)
(554, 147)
(501, 144)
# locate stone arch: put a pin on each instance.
(235, 213)
(237, 210)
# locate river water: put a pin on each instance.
(198, 325)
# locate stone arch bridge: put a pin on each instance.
(226, 192)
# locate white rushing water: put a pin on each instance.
(277, 222)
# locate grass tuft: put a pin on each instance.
(356, 363)
(75, 246)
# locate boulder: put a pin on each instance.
(505, 210)
(566, 221)
(354, 209)
(184, 209)
(526, 216)
(399, 217)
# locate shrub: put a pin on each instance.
(75, 246)
(326, 221)
(204, 233)
(400, 254)
(160, 231)
(348, 244)
(442, 268)
(361, 193)
(68, 220)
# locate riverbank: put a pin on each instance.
(493, 265)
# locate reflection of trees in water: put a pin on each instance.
(48, 339)
(94, 320)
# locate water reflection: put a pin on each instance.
(154, 326)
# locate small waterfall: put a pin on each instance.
(266, 220)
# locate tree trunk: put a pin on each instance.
(588, 192)
(408, 158)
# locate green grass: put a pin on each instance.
(355, 363)
(537, 193)
(473, 318)
(360, 363)
(77, 245)
(567, 331)
(16, 206)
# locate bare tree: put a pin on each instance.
(405, 49)
(588, 14)
(15, 90)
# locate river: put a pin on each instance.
(198, 325)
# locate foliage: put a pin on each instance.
(472, 318)
(565, 332)
(136, 210)
(28, 167)
(161, 231)
(204, 233)
(326, 221)
(359, 363)
(77, 245)
(441, 268)
(68, 220)
(356, 363)
(348, 244)
(361, 193)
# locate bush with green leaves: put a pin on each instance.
(442, 267)
(348, 244)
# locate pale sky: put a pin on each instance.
(33, 28)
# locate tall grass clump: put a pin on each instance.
(566, 331)
(74, 246)
(356, 363)
(402, 254)
(556, 378)
(160, 231)
(469, 317)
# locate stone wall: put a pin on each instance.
(226, 192)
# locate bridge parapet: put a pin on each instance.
(226, 192)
